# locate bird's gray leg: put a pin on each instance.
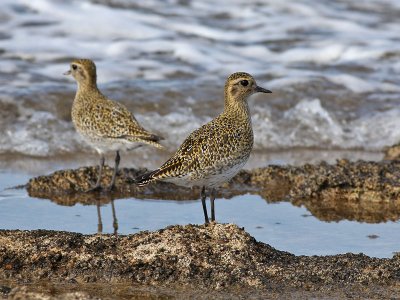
(203, 202)
(212, 198)
(117, 160)
(115, 221)
(97, 185)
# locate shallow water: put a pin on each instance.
(282, 225)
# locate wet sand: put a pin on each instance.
(198, 261)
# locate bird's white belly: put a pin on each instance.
(210, 178)
(103, 145)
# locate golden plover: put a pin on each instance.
(105, 124)
(215, 152)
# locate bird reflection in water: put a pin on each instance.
(100, 222)
(94, 198)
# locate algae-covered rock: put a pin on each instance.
(361, 191)
(217, 257)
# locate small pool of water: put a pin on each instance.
(282, 225)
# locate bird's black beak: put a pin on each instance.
(259, 89)
(67, 73)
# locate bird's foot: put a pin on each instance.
(110, 188)
(130, 180)
(96, 188)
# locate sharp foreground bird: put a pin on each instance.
(214, 153)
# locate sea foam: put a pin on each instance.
(333, 68)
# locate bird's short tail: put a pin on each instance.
(146, 178)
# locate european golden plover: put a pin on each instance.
(215, 152)
(105, 124)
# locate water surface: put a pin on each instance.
(282, 225)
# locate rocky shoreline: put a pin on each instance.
(220, 259)
(197, 261)
(358, 191)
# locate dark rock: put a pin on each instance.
(4, 289)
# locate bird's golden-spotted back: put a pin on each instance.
(222, 142)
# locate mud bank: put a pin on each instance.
(200, 260)
(361, 191)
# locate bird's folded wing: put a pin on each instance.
(185, 160)
(120, 123)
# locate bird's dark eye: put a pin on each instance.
(74, 67)
(244, 82)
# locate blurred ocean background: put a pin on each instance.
(333, 67)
